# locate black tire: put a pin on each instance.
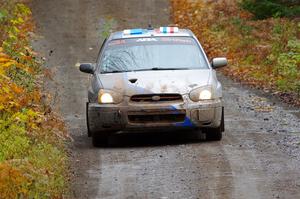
(216, 134)
(100, 139)
(222, 121)
(87, 120)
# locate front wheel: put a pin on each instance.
(87, 120)
(100, 139)
(215, 134)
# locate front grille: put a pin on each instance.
(156, 98)
(169, 118)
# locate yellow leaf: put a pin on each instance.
(7, 64)
(3, 59)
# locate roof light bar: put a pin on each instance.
(169, 29)
(133, 31)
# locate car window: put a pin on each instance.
(148, 53)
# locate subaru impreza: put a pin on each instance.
(153, 79)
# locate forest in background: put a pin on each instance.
(262, 9)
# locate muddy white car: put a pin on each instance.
(153, 79)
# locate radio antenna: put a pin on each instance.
(150, 27)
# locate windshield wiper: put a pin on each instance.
(116, 71)
(145, 69)
(157, 68)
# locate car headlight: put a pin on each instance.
(109, 97)
(205, 95)
(106, 98)
(202, 93)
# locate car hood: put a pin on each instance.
(171, 81)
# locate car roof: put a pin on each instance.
(150, 33)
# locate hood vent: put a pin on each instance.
(133, 81)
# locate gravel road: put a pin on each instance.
(258, 158)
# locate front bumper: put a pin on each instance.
(149, 116)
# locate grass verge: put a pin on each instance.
(33, 160)
(262, 53)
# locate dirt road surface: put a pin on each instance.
(258, 158)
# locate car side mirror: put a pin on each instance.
(87, 68)
(219, 62)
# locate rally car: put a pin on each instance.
(153, 79)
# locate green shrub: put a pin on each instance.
(33, 161)
(14, 143)
(22, 78)
(287, 67)
(272, 8)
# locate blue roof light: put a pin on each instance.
(137, 31)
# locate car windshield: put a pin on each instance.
(141, 54)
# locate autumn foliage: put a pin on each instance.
(262, 53)
(32, 156)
